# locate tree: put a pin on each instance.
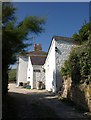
(82, 34)
(15, 36)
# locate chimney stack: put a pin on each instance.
(37, 47)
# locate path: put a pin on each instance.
(24, 104)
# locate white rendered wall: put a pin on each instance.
(22, 70)
(30, 73)
(50, 69)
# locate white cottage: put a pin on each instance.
(22, 64)
(58, 52)
(30, 68)
(37, 66)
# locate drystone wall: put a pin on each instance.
(79, 94)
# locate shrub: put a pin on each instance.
(78, 66)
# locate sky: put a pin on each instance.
(62, 18)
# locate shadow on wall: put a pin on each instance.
(59, 80)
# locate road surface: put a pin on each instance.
(24, 104)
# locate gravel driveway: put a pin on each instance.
(24, 104)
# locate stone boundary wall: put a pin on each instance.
(79, 94)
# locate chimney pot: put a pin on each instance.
(37, 47)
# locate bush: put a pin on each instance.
(65, 71)
(78, 66)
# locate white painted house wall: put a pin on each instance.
(50, 69)
(22, 70)
(30, 73)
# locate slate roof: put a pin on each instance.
(38, 60)
(37, 57)
(38, 53)
(62, 38)
(68, 39)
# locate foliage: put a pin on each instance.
(83, 33)
(78, 66)
(15, 35)
(8, 12)
(12, 74)
(66, 69)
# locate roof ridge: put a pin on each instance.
(59, 37)
(37, 55)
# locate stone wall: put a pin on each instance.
(79, 94)
(66, 87)
(38, 76)
(61, 54)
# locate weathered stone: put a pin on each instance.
(79, 94)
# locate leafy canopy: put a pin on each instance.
(82, 34)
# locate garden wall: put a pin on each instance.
(79, 94)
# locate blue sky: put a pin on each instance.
(62, 18)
